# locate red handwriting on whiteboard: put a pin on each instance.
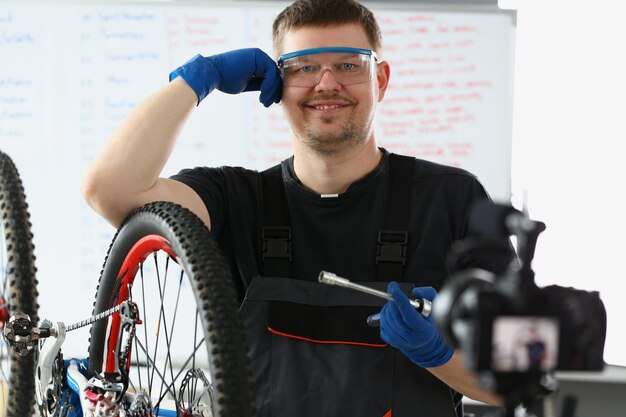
(437, 88)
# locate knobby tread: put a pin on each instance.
(21, 282)
(215, 296)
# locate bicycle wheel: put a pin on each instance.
(189, 354)
(18, 291)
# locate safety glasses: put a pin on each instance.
(305, 68)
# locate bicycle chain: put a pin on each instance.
(103, 315)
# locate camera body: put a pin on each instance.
(511, 332)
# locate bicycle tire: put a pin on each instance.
(199, 257)
(18, 288)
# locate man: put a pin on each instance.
(336, 187)
(535, 349)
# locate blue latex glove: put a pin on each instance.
(233, 72)
(402, 327)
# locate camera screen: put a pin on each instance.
(524, 343)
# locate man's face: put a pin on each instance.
(330, 117)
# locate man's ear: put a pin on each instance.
(382, 75)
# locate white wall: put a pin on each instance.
(568, 134)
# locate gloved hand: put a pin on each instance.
(233, 72)
(402, 327)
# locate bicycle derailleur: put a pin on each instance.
(101, 395)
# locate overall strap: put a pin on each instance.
(393, 238)
(275, 227)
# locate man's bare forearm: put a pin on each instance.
(458, 377)
(130, 163)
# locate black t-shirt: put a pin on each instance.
(339, 234)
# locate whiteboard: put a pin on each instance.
(72, 70)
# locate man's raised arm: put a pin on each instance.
(125, 174)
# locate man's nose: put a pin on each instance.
(328, 81)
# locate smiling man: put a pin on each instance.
(324, 208)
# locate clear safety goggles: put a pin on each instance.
(305, 68)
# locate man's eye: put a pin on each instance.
(305, 69)
(347, 66)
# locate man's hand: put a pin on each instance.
(233, 72)
(413, 334)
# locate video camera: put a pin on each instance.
(511, 332)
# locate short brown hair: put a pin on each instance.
(323, 13)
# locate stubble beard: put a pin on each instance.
(329, 144)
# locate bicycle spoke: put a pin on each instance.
(169, 338)
(137, 360)
(182, 368)
(164, 319)
(166, 324)
(175, 378)
(154, 366)
(158, 330)
(145, 322)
